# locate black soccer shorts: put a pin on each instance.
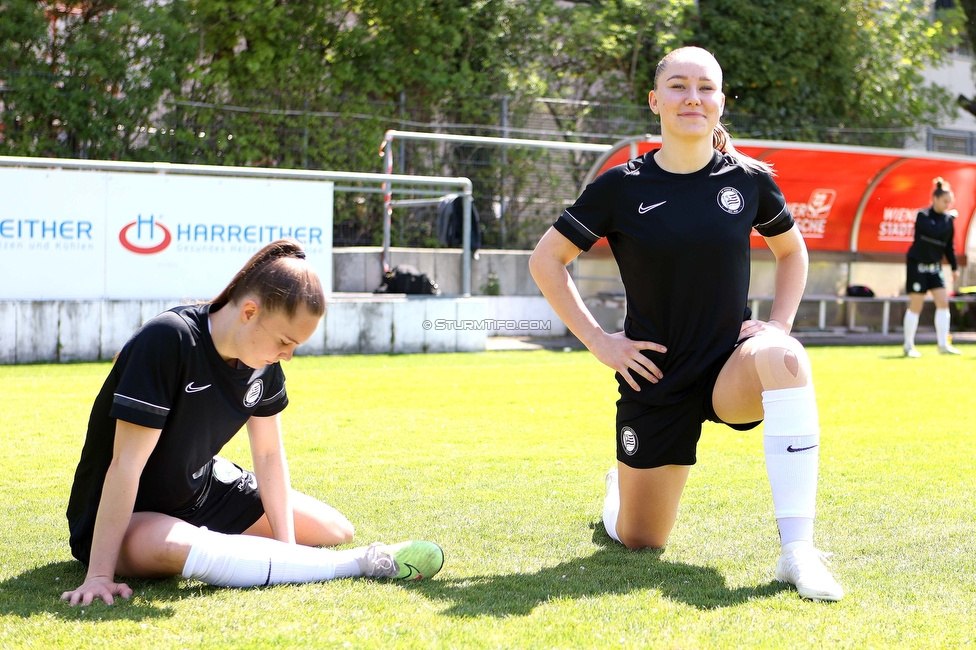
(231, 502)
(922, 277)
(653, 436)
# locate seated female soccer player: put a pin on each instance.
(150, 497)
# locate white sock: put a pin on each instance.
(795, 529)
(942, 327)
(792, 446)
(910, 324)
(611, 505)
(249, 561)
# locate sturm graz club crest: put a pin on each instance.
(730, 199)
(254, 393)
(628, 440)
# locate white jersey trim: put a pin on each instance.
(773, 219)
(570, 214)
(126, 398)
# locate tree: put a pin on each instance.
(321, 81)
(315, 83)
(968, 8)
(794, 67)
(607, 51)
(81, 79)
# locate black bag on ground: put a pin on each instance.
(859, 291)
(407, 279)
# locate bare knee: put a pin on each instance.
(330, 532)
(638, 540)
(319, 524)
(340, 530)
(781, 362)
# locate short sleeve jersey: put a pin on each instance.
(934, 234)
(681, 242)
(170, 376)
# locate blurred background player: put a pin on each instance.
(678, 221)
(934, 234)
(150, 499)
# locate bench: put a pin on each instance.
(851, 303)
(615, 301)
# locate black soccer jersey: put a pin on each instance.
(934, 234)
(170, 376)
(681, 242)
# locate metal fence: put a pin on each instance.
(946, 141)
(518, 192)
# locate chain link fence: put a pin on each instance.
(518, 192)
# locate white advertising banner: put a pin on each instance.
(52, 234)
(80, 235)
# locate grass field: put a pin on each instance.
(500, 458)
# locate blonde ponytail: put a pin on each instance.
(722, 141)
(941, 187)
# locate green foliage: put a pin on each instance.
(491, 287)
(81, 80)
(305, 66)
(810, 62)
(897, 40)
(322, 80)
(607, 51)
(316, 83)
(500, 458)
(786, 73)
(968, 9)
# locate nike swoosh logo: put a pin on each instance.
(413, 575)
(793, 450)
(190, 388)
(643, 210)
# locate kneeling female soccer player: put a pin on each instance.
(678, 221)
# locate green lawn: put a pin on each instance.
(500, 457)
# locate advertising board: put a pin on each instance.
(96, 235)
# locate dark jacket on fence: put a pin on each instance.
(450, 223)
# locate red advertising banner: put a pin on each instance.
(848, 199)
(822, 189)
(888, 222)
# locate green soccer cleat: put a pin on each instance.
(404, 561)
(416, 559)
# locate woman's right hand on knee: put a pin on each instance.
(101, 587)
(624, 355)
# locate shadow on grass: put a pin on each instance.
(610, 570)
(39, 591)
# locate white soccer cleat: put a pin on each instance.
(802, 565)
(377, 562)
(611, 478)
(911, 352)
(948, 349)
